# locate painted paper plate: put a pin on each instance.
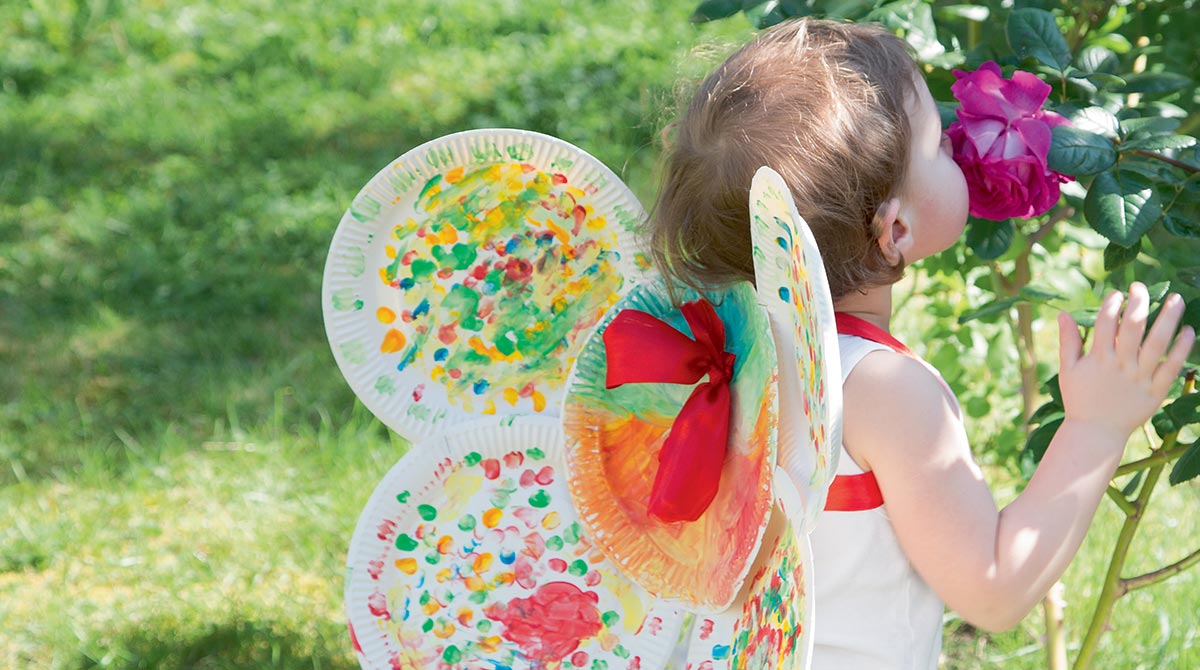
(464, 275)
(769, 628)
(469, 555)
(791, 284)
(613, 440)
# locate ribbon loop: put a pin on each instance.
(642, 348)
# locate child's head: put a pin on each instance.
(822, 103)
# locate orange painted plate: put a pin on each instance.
(613, 438)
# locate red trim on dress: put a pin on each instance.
(858, 493)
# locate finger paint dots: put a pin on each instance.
(482, 574)
(498, 273)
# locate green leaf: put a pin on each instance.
(1187, 467)
(1185, 411)
(978, 407)
(1117, 256)
(990, 309)
(969, 12)
(1035, 294)
(1095, 120)
(1158, 290)
(914, 18)
(948, 112)
(1086, 316)
(1159, 143)
(763, 14)
(1102, 79)
(1094, 59)
(1163, 424)
(1154, 83)
(1051, 387)
(1121, 206)
(1191, 316)
(990, 239)
(711, 10)
(1080, 153)
(1181, 226)
(1040, 439)
(1034, 33)
(1189, 276)
(1132, 485)
(1051, 410)
(1148, 125)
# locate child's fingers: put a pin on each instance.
(1133, 323)
(1169, 369)
(1105, 330)
(1159, 338)
(1070, 343)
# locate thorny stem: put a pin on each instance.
(1186, 167)
(1120, 500)
(1162, 455)
(1151, 578)
(1114, 586)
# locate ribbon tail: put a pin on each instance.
(691, 459)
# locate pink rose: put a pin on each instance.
(1001, 141)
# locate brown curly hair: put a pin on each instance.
(822, 103)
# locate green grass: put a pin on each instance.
(181, 464)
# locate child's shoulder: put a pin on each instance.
(891, 398)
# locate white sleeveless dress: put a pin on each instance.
(873, 611)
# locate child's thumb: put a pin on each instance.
(1070, 343)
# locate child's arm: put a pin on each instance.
(993, 567)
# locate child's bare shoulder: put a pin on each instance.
(892, 398)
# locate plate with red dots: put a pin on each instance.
(464, 276)
(469, 555)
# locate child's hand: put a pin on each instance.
(1123, 379)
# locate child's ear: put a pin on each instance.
(894, 236)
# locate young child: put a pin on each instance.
(842, 113)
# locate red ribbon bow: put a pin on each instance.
(644, 349)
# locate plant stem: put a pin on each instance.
(1114, 588)
(1056, 637)
(1052, 604)
(1119, 498)
(1168, 452)
(1150, 578)
(1025, 341)
(1186, 167)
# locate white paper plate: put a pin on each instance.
(769, 628)
(791, 285)
(469, 555)
(464, 275)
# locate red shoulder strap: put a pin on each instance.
(858, 493)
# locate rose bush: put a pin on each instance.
(1001, 141)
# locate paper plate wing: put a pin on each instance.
(791, 284)
(613, 441)
(470, 555)
(769, 627)
(464, 275)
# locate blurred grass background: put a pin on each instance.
(181, 464)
